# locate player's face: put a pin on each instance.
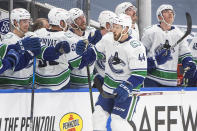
(24, 25)
(81, 22)
(168, 16)
(131, 11)
(117, 29)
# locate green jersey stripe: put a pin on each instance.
(164, 75)
(80, 80)
(53, 79)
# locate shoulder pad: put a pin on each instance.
(7, 36)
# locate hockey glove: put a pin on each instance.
(95, 37)
(123, 91)
(193, 81)
(163, 56)
(32, 45)
(98, 82)
(51, 54)
(63, 47)
(151, 64)
(13, 57)
(80, 47)
(190, 69)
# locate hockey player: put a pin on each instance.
(192, 82)
(157, 39)
(105, 19)
(125, 70)
(78, 31)
(20, 19)
(52, 66)
(129, 9)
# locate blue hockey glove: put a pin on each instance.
(31, 45)
(80, 47)
(95, 37)
(13, 57)
(51, 54)
(193, 81)
(190, 69)
(151, 64)
(123, 91)
(163, 56)
(63, 47)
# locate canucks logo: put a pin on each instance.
(166, 45)
(116, 64)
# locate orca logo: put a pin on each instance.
(116, 64)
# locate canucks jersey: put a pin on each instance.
(52, 74)
(122, 60)
(78, 77)
(153, 39)
(18, 79)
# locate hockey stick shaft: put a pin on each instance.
(189, 29)
(90, 89)
(89, 82)
(32, 96)
(105, 95)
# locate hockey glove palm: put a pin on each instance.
(163, 56)
(123, 91)
(80, 47)
(63, 47)
(95, 37)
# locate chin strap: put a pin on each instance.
(121, 34)
(165, 21)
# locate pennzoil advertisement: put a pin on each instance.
(71, 111)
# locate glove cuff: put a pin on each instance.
(21, 45)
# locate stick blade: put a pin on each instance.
(189, 22)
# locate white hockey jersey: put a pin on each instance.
(135, 32)
(52, 74)
(78, 78)
(122, 60)
(18, 79)
(153, 39)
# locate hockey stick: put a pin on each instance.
(105, 95)
(89, 83)
(189, 29)
(32, 96)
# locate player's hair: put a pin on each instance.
(38, 24)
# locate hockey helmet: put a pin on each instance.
(162, 8)
(121, 8)
(106, 16)
(19, 14)
(123, 20)
(56, 15)
(75, 13)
